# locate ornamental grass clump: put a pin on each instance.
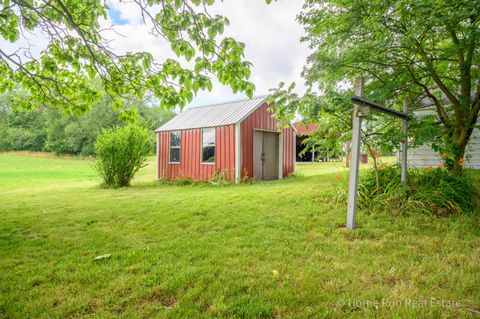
(429, 191)
(121, 152)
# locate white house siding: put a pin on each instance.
(424, 156)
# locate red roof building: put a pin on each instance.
(308, 129)
(303, 131)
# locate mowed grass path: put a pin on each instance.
(273, 249)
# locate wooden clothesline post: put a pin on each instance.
(362, 109)
(404, 144)
(355, 158)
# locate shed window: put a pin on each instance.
(175, 142)
(208, 145)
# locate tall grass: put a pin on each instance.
(433, 191)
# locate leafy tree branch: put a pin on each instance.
(78, 50)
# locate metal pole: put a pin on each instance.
(354, 163)
(404, 144)
(347, 154)
(157, 154)
(238, 155)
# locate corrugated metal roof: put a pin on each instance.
(213, 115)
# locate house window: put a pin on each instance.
(175, 141)
(208, 145)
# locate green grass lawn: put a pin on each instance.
(272, 249)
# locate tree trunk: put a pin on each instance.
(457, 168)
(460, 140)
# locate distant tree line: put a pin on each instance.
(53, 130)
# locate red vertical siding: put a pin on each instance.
(163, 143)
(190, 165)
(288, 151)
(263, 120)
(225, 155)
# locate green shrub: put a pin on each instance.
(430, 191)
(121, 153)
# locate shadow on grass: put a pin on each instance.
(206, 183)
(186, 183)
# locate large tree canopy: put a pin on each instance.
(406, 49)
(77, 51)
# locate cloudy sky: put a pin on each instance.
(270, 32)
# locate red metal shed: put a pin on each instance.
(239, 138)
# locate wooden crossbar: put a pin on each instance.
(379, 108)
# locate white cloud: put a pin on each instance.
(270, 32)
(272, 38)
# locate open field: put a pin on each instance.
(272, 249)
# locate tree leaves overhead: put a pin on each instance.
(78, 51)
(394, 43)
